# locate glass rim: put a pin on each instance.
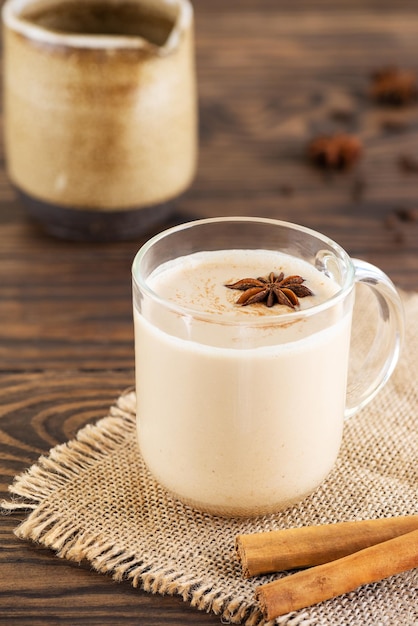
(217, 318)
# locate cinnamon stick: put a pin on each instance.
(332, 579)
(293, 548)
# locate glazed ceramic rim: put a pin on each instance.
(12, 17)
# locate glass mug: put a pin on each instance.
(241, 408)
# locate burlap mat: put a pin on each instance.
(93, 499)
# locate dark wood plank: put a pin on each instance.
(38, 411)
(272, 74)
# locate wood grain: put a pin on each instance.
(37, 411)
(272, 74)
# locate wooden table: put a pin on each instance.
(272, 75)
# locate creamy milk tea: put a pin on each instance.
(239, 407)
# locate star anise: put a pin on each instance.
(394, 86)
(408, 163)
(337, 152)
(271, 290)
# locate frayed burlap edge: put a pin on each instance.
(64, 462)
(93, 444)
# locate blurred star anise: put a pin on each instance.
(338, 152)
(271, 290)
(394, 86)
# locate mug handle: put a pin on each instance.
(384, 352)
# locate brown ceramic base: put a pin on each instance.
(88, 225)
